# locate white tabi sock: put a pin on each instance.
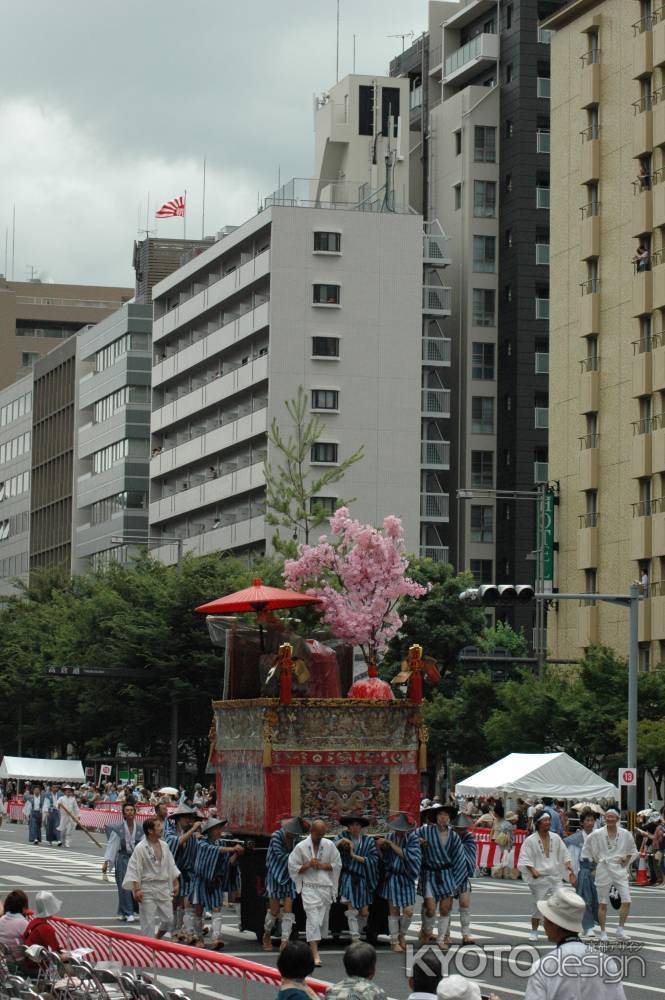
(269, 922)
(393, 929)
(288, 920)
(404, 923)
(216, 926)
(352, 921)
(428, 923)
(465, 920)
(198, 925)
(362, 922)
(188, 921)
(444, 924)
(178, 918)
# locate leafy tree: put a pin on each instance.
(502, 634)
(290, 486)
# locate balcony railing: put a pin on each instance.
(591, 57)
(437, 553)
(436, 249)
(541, 417)
(590, 210)
(590, 286)
(482, 45)
(542, 363)
(543, 86)
(436, 402)
(591, 133)
(541, 471)
(543, 140)
(645, 103)
(416, 98)
(542, 308)
(544, 36)
(589, 520)
(643, 345)
(436, 350)
(437, 300)
(589, 441)
(642, 508)
(542, 197)
(590, 364)
(435, 454)
(542, 253)
(647, 424)
(435, 506)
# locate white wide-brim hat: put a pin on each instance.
(458, 988)
(565, 909)
(47, 905)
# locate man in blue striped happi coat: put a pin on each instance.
(401, 857)
(360, 872)
(216, 864)
(279, 885)
(461, 826)
(182, 841)
(442, 872)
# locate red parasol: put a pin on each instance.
(257, 598)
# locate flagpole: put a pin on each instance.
(184, 216)
(203, 211)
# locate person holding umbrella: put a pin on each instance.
(360, 872)
(402, 856)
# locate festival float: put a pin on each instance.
(294, 734)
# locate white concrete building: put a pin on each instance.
(312, 292)
(15, 461)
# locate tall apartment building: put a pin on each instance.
(479, 120)
(35, 317)
(113, 437)
(15, 451)
(607, 359)
(321, 289)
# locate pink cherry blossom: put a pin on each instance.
(360, 578)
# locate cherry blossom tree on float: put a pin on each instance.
(360, 577)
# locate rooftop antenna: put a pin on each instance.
(407, 34)
(13, 235)
(337, 60)
(6, 250)
(354, 54)
(147, 231)
(32, 272)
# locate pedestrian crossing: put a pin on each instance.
(53, 866)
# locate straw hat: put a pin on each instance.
(47, 905)
(212, 822)
(401, 823)
(458, 988)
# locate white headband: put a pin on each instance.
(615, 811)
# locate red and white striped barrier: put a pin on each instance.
(92, 819)
(488, 854)
(134, 951)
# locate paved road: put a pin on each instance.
(500, 918)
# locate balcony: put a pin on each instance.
(436, 351)
(437, 553)
(590, 80)
(640, 532)
(541, 472)
(589, 467)
(640, 466)
(481, 53)
(246, 531)
(435, 403)
(658, 33)
(435, 454)
(642, 369)
(436, 250)
(658, 366)
(208, 492)
(642, 214)
(590, 233)
(587, 626)
(643, 128)
(642, 53)
(434, 506)
(642, 293)
(587, 542)
(590, 156)
(658, 533)
(437, 300)
(658, 279)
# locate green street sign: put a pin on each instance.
(548, 550)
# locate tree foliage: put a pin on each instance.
(290, 485)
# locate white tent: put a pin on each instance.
(34, 769)
(532, 775)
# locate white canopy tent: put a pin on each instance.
(534, 775)
(34, 769)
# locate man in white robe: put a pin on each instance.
(315, 865)
(153, 879)
(544, 861)
(69, 815)
(613, 850)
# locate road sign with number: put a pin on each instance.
(627, 776)
(106, 769)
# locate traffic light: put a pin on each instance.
(491, 595)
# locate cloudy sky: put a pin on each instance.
(102, 102)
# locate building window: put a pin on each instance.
(509, 238)
(543, 87)
(509, 73)
(482, 415)
(457, 196)
(482, 361)
(482, 469)
(482, 570)
(458, 142)
(484, 254)
(542, 306)
(325, 347)
(542, 197)
(509, 17)
(484, 144)
(389, 109)
(484, 307)
(28, 358)
(509, 183)
(543, 253)
(365, 110)
(329, 295)
(544, 36)
(327, 242)
(324, 453)
(324, 506)
(325, 399)
(484, 199)
(482, 524)
(509, 128)
(543, 140)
